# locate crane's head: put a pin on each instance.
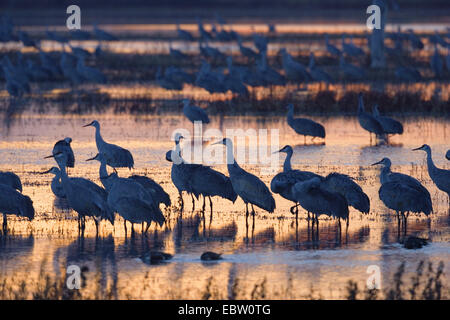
(385, 162)
(224, 141)
(93, 124)
(178, 137)
(425, 148)
(68, 140)
(290, 106)
(99, 157)
(60, 158)
(53, 170)
(285, 149)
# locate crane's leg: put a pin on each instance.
(5, 223)
(253, 214)
(211, 212)
(125, 227)
(96, 226)
(193, 202)
(132, 229)
(246, 215)
(180, 200)
(148, 226)
(204, 204)
(142, 226)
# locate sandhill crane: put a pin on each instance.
(317, 73)
(246, 185)
(351, 71)
(367, 121)
(80, 52)
(103, 35)
(409, 74)
(349, 189)
(10, 179)
(440, 177)
(116, 157)
(183, 34)
(283, 182)
(132, 198)
(204, 35)
(390, 126)
(404, 198)
(168, 82)
(350, 49)
(181, 172)
(246, 51)
(157, 192)
(269, 75)
(294, 71)
(26, 40)
(90, 73)
(333, 50)
(14, 202)
(56, 185)
(436, 63)
(303, 126)
(194, 113)
(334, 182)
(64, 146)
(83, 196)
(260, 42)
(414, 40)
(78, 34)
(319, 201)
(133, 203)
(409, 183)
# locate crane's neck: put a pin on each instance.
(98, 137)
(287, 162)
(385, 171)
(103, 172)
(431, 167)
(232, 165)
(290, 114)
(360, 105)
(176, 155)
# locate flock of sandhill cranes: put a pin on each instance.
(236, 79)
(137, 198)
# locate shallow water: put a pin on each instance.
(294, 261)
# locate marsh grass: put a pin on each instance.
(425, 284)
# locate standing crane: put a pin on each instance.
(367, 121)
(313, 198)
(116, 157)
(87, 201)
(303, 126)
(246, 185)
(14, 202)
(440, 177)
(64, 147)
(10, 179)
(389, 125)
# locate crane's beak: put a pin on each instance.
(420, 148)
(52, 156)
(218, 142)
(379, 162)
(87, 125)
(48, 171)
(90, 159)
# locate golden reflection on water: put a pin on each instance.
(276, 248)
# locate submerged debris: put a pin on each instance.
(210, 256)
